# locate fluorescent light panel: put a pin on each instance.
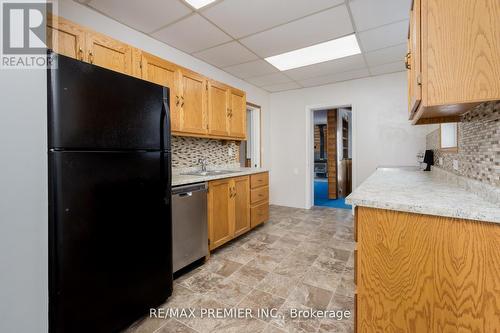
(199, 3)
(334, 49)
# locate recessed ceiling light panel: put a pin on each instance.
(334, 49)
(197, 4)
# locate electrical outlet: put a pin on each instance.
(440, 161)
(455, 164)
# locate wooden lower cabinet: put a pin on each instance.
(233, 208)
(241, 205)
(422, 273)
(259, 198)
(220, 212)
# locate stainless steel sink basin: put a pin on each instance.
(209, 173)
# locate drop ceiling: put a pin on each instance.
(236, 35)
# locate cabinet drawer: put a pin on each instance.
(258, 180)
(259, 194)
(259, 214)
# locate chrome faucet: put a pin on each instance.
(203, 162)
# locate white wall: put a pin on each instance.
(382, 135)
(91, 19)
(23, 201)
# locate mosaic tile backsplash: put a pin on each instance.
(478, 145)
(187, 151)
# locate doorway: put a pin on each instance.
(332, 130)
(250, 150)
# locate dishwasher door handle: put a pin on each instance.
(186, 194)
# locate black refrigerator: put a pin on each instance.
(110, 246)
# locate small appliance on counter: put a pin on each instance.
(426, 160)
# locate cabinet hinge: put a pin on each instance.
(209, 242)
(419, 79)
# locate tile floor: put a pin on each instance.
(299, 259)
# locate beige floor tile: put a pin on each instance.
(310, 296)
(249, 275)
(174, 326)
(327, 263)
(181, 297)
(229, 292)
(202, 281)
(221, 266)
(322, 279)
(277, 284)
(258, 300)
(240, 255)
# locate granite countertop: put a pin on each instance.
(178, 179)
(415, 191)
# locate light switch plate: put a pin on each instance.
(455, 164)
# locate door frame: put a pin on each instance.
(255, 132)
(309, 179)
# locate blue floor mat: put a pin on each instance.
(321, 197)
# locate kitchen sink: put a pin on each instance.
(209, 172)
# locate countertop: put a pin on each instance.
(415, 191)
(178, 179)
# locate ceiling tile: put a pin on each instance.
(327, 25)
(388, 68)
(369, 14)
(387, 55)
(328, 67)
(145, 15)
(270, 79)
(242, 17)
(321, 80)
(282, 87)
(251, 69)
(226, 55)
(192, 34)
(387, 35)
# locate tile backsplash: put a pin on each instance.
(187, 151)
(478, 145)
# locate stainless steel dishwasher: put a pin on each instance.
(189, 224)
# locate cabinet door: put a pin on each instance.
(220, 212)
(193, 103)
(109, 53)
(237, 114)
(218, 107)
(164, 73)
(413, 60)
(241, 190)
(66, 38)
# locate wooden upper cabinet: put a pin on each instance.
(218, 109)
(458, 44)
(66, 38)
(199, 107)
(412, 61)
(109, 53)
(237, 114)
(220, 212)
(241, 189)
(162, 72)
(193, 102)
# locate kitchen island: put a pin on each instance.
(427, 255)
